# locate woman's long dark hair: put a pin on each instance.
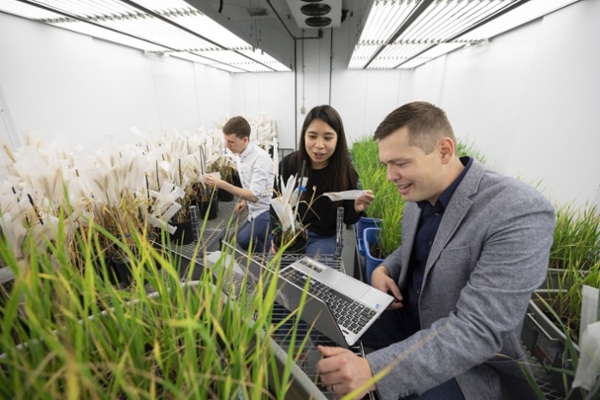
(343, 176)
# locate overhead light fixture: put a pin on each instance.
(170, 27)
(430, 54)
(529, 11)
(402, 30)
(385, 17)
(266, 59)
(442, 21)
(394, 55)
(361, 55)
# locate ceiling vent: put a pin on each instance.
(316, 13)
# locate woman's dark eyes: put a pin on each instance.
(328, 138)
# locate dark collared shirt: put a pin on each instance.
(429, 222)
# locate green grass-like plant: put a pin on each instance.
(67, 332)
(372, 175)
(574, 261)
(466, 148)
(576, 237)
(388, 205)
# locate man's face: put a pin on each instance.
(418, 176)
(235, 144)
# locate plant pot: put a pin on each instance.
(224, 195)
(364, 223)
(296, 246)
(208, 209)
(370, 238)
(547, 342)
(235, 179)
(360, 241)
(119, 271)
(361, 247)
(184, 234)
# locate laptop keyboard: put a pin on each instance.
(348, 313)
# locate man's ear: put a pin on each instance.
(446, 149)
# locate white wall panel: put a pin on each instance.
(8, 133)
(214, 93)
(48, 88)
(175, 94)
(429, 81)
(314, 65)
(70, 86)
(271, 94)
(364, 98)
(557, 137)
(128, 92)
(484, 90)
(277, 102)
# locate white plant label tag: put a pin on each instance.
(346, 195)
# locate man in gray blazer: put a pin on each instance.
(475, 245)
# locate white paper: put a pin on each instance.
(229, 262)
(6, 275)
(588, 368)
(346, 195)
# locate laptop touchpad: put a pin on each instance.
(351, 287)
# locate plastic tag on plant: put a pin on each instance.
(590, 307)
(588, 368)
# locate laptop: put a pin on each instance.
(337, 305)
(352, 304)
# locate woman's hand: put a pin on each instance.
(364, 201)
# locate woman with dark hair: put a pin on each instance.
(323, 151)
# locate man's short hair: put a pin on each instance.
(425, 122)
(238, 126)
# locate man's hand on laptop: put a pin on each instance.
(380, 279)
(342, 371)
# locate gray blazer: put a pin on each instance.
(490, 253)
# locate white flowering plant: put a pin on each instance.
(285, 206)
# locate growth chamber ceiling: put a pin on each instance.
(260, 35)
